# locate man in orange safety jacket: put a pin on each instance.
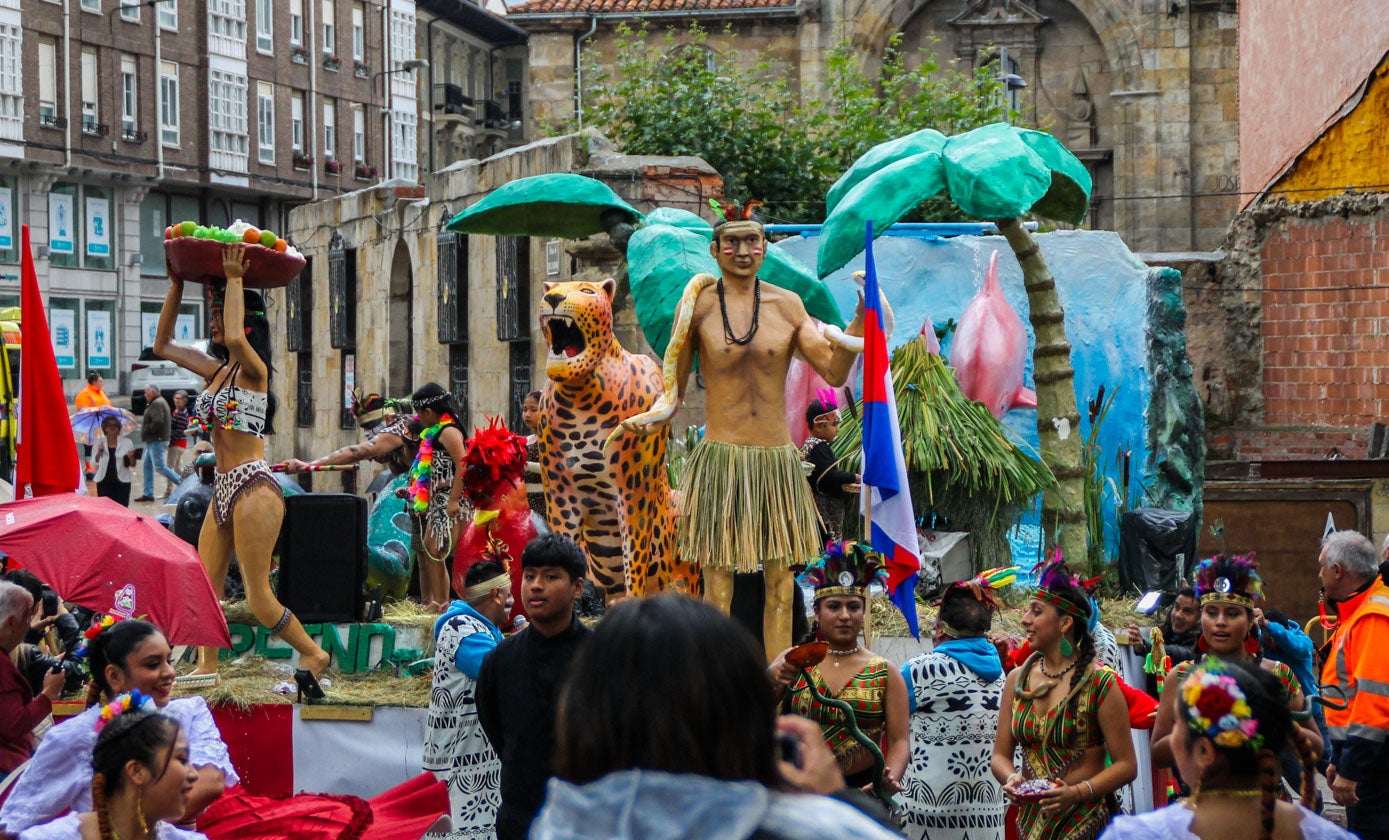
(1356, 665)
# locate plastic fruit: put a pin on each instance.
(169, 232)
(187, 228)
(198, 231)
(251, 236)
(280, 246)
(267, 238)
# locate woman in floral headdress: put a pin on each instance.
(1233, 721)
(1226, 588)
(850, 672)
(1062, 708)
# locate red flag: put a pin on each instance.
(46, 449)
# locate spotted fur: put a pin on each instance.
(615, 503)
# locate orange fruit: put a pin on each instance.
(251, 236)
(280, 246)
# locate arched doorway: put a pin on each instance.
(400, 324)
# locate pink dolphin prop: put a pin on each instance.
(990, 350)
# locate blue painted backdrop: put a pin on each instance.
(1103, 289)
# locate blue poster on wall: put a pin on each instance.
(98, 339)
(60, 233)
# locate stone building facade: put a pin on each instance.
(391, 300)
(1143, 91)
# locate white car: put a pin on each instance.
(164, 375)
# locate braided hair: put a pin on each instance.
(435, 396)
(113, 646)
(1256, 757)
(134, 735)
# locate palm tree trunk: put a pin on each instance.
(1058, 421)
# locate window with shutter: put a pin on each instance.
(304, 392)
(513, 288)
(340, 336)
(458, 380)
(520, 382)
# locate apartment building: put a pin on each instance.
(120, 117)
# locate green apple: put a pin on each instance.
(267, 238)
(187, 228)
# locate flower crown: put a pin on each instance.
(123, 703)
(106, 622)
(1217, 708)
(1229, 580)
(847, 567)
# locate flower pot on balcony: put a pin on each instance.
(302, 161)
(331, 62)
(299, 55)
(365, 173)
(361, 69)
(332, 167)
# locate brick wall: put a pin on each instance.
(1289, 443)
(1325, 303)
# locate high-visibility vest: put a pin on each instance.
(1362, 675)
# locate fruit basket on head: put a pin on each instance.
(194, 253)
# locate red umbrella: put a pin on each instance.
(108, 558)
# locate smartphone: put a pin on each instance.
(788, 748)
(1148, 603)
(50, 603)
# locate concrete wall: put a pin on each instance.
(1299, 63)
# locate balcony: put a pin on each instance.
(302, 161)
(364, 172)
(131, 134)
(331, 62)
(92, 128)
(332, 167)
(48, 117)
(299, 55)
(361, 69)
(450, 101)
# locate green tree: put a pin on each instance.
(670, 94)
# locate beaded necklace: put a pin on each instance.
(418, 486)
(728, 336)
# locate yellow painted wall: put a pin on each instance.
(1349, 154)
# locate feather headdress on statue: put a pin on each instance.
(847, 567)
(734, 218)
(1229, 580)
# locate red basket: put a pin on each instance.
(200, 261)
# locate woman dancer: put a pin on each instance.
(435, 491)
(535, 484)
(1226, 588)
(134, 655)
(1062, 709)
(247, 506)
(1233, 722)
(142, 777)
(851, 672)
(124, 656)
(114, 456)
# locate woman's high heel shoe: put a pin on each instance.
(308, 686)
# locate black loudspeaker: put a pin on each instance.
(323, 557)
(1157, 549)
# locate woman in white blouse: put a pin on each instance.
(113, 455)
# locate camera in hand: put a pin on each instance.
(50, 603)
(788, 748)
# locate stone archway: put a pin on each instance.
(400, 317)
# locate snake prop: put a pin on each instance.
(669, 402)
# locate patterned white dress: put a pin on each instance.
(59, 776)
(456, 749)
(70, 827)
(949, 792)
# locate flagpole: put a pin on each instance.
(867, 538)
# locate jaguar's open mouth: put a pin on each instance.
(566, 339)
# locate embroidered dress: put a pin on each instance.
(59, 776)
(1284, 674)
(866, 692)
(435, 533)
(1174, 823)
(949, 791)
(455, 747)
(1054, 741)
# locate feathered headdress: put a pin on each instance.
(733, 217)
(1054, 578)
(985, 585)
(496, 459)
(1229, 580)
(368, 410)
(847, 567)
(824, 403)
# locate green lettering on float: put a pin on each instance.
(243, 638)
(331, 642)
(361, 637)
(266, 649)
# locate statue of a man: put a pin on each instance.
(745, 500)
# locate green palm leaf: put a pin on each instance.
(561, 206)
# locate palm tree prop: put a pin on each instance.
(1002, 173)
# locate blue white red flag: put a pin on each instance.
(892, 523)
